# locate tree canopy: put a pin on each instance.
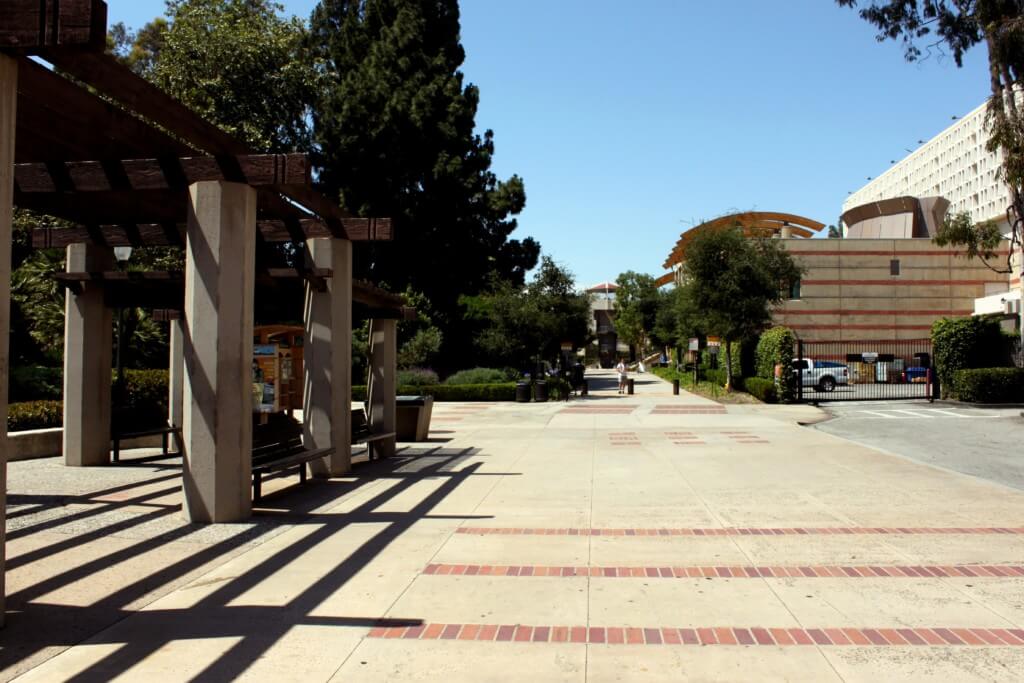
(395, 132)
(636, 308)
(732, 281)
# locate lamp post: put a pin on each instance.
(121, 254)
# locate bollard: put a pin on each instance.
(629, 387)
(675, 387)
(584, 389)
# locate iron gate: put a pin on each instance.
(864, 371)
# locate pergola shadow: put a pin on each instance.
(36, 623)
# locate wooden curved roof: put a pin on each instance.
(754, 224)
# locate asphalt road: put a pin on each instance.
(982, 442)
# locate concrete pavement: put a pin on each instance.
(645, 537)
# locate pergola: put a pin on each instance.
(125, 164)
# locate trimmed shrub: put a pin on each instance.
(36, 383)
(34, 415)
(990, 385)
(505, 391)
(478, 376)
(776, 347)
(962, 343)
(762, 389)
(418, 377)
(145, 401)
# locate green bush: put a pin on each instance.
(776, 347)
(418, 377)
(963, 343)
(762, 389)
(990, 385)
(36, 383)
(505, 391)
(34, 415)
(478, 376)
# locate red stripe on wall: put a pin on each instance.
(812, 252)
(860, 327)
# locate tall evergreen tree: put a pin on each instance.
(395, 130)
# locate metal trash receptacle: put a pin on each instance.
(540, 391)
(412, 417)
(522, 392)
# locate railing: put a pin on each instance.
(864, 371)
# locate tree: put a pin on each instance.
(394, 128)
(636, 308)
(238, 64)
(138, 50)
(733, 280)
(834, 233)
(523, 323)
(960, 25)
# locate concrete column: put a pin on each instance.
(217, 386)
(8, 117)
(327, 359)
(176, 379)
(787, 232)
(88, 341)
(381, 386)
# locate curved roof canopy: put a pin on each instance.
(754, 224)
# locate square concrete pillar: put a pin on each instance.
(381, 386)
(217, 386)
(8, 118)
(176, 377)
(88, 340)
(327, 359)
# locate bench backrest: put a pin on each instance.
(359, 424)
(280, 437)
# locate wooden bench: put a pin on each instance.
(117, 436)
(361, 432)
(276, 447)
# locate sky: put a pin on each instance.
(630, 122)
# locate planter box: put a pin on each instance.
(412, 417)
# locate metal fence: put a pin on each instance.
(864, 371)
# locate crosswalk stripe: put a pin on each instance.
(916, 413)
(886, 415)
(947, 412)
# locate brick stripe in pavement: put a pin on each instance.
(733, 572)
(737, 531)
(729, 635)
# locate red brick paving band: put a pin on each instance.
(737, 531)
(869, 637)
(733, 572)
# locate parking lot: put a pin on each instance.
(982, 442)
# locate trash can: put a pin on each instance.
(540, 391)
(412, 417)
(522, 392)
(629, 386)
(675, 387)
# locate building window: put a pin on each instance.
(894, 267)
(794, 289)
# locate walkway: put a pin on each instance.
(645, 537)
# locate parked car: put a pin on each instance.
(826, 375)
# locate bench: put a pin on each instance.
(117, 436)
(276, 447)
(361, 432)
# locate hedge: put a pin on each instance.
(34, 415)
(505, 391)
(418, 377)
(35, 383)
(963, 343)
(762, 389)
(479, 376)
(776, 347)
(990, 385)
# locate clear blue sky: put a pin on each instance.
(631, 121)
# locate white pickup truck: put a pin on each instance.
(823, 374)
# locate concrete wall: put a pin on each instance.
(47, 443)
(849, 294)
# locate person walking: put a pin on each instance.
(621, 369)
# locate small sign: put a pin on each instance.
(869, 357)
(567, 346)
(714, 341)
(694, 344)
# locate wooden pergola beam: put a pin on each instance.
(256, 170)
(172, 234)
(31, 25)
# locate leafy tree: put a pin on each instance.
(419, 340)
(138, 50)
(237, 63)
(523, 323)
(733, 280)
(394, 127)
(960, 25)
(834, 233)
(636, 308)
